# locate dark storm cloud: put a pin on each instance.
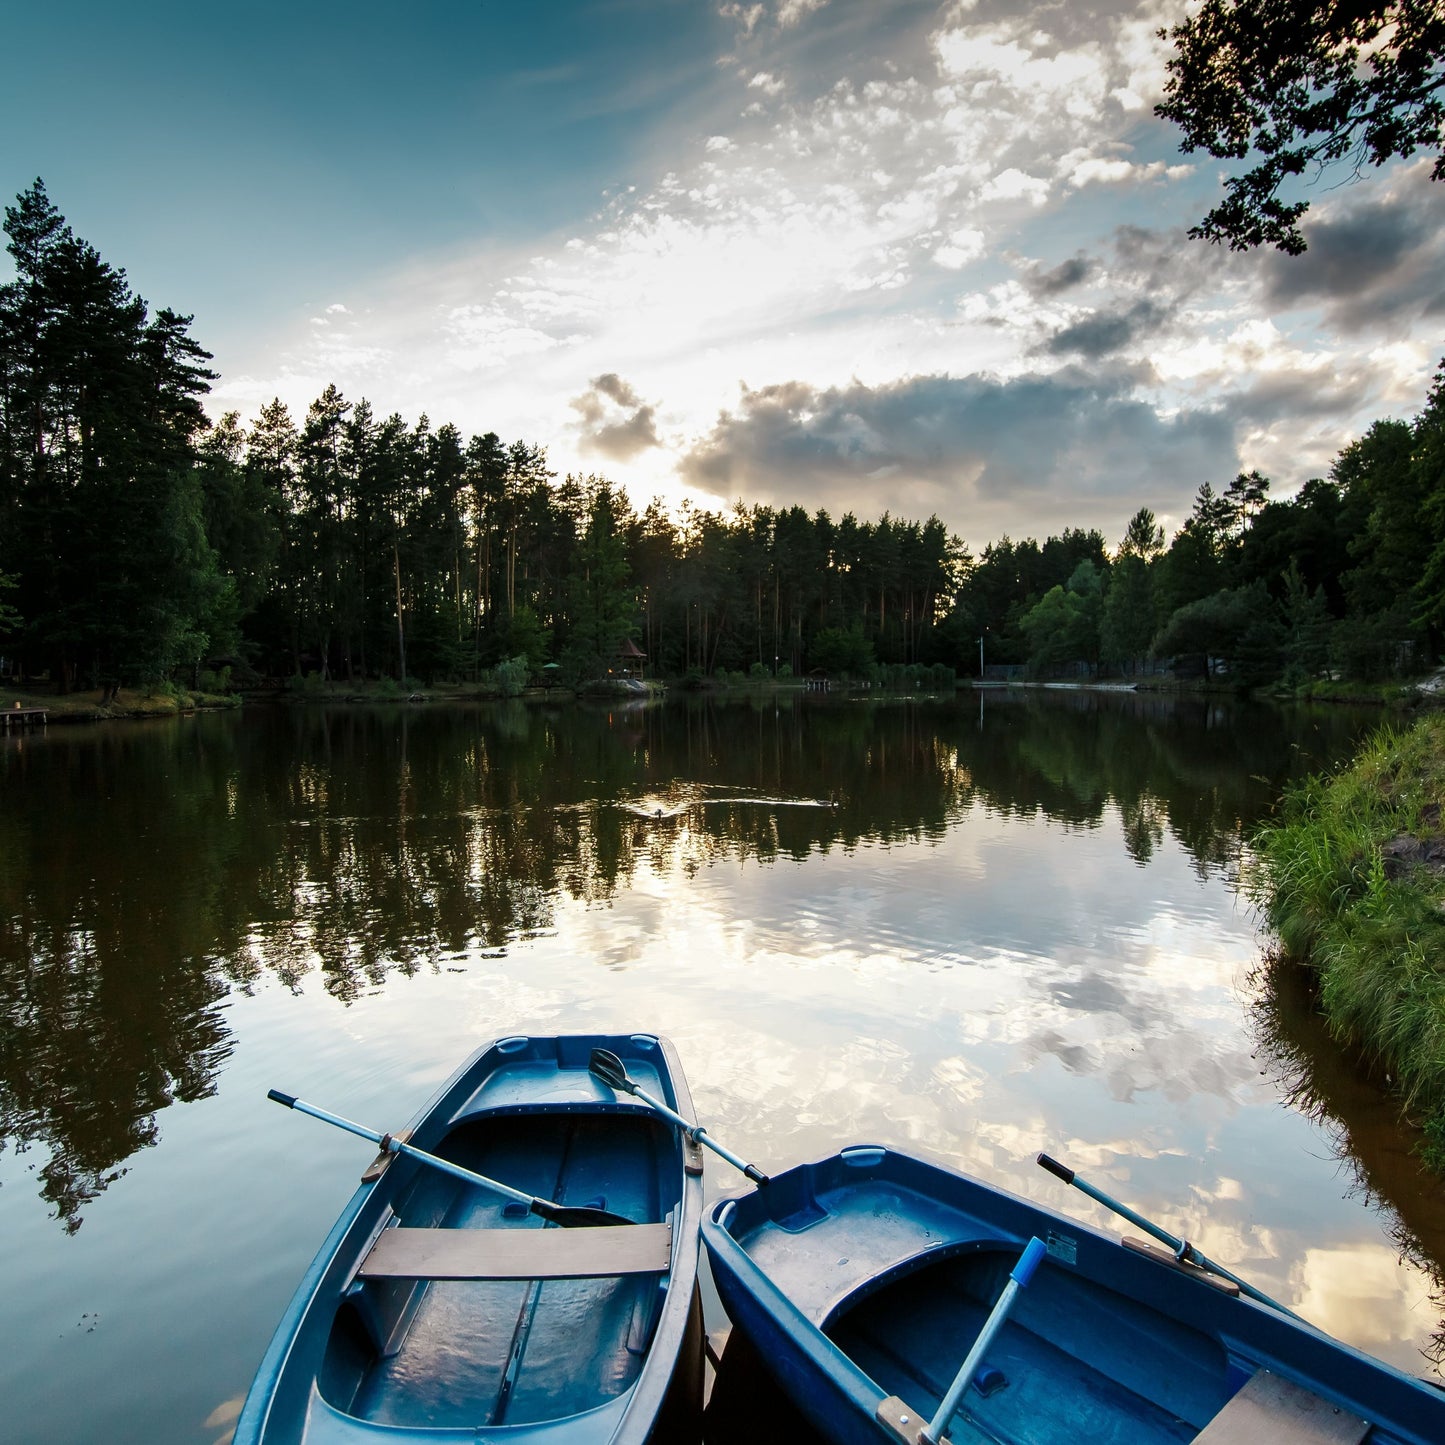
(610, 385)
(1375, 266)
(1061, 278)
(1104, 332)
(614, 420)
(1165, 263)
(962, 446)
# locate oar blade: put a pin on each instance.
(605, 1065)
(579, 1216)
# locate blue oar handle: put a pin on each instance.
(1022, 1273)
(1019, 1278)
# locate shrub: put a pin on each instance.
(510, 676)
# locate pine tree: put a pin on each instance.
(99, 420)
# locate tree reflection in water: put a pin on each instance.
(147, 870)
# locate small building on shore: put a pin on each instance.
(629, 660)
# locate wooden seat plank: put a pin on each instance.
(519, 1253)
(1269, 1407)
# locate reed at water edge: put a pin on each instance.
(1350, 877)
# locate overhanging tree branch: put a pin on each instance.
(1303, 85)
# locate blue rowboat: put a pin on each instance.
(439, 1312)
(863, 1282)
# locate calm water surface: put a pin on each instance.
(983, 927)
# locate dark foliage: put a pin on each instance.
(137, 541)
(1302, 85)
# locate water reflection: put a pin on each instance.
(1374, 1145)
(148, 870)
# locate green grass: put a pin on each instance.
(1377, 942)
(129, 702)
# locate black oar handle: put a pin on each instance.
(288, 1099)
(1060, 1171)
(1183, 1250)
(755, 1174)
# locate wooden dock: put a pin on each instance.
(20, 718)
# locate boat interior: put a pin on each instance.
(464, 1310)
(903, 1283)
(1068, 1364)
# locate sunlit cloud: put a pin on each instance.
(613, 420)
(876, 231)
(1358, 1291)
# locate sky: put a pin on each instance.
(922, 256)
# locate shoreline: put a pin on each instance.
(1350, 879)
(129, 703)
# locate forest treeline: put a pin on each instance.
(141, 543)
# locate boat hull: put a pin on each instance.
(538, 1335)
(866, 1277)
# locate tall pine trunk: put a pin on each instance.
(400, 626)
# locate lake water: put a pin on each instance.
(981, 927)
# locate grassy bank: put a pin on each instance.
(1352, 880)
(91, 707)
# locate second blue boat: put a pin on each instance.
(865, 1280)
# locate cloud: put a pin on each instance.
(1063, 277)
(964, 245)
(970, 448)
(869, 201)
(1155, 262)
(1014, 185)
(745, 17)
(1101, 170)
(1377, 264)
(1104, 332)
(489, 337)
(613, 420)
(793, 12)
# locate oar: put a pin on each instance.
(1018, 1279)
(611, 1070)
(568, 1216)
(1183, 1251)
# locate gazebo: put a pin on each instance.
(630, 660)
